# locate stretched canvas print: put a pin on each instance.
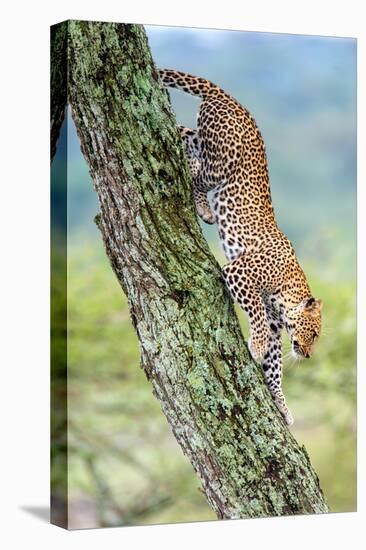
(203, 274)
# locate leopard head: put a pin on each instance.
(303, 325)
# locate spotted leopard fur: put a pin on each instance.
(226, 155)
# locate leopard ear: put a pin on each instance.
(312, 306)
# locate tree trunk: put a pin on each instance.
(192, 349)
(58, 78)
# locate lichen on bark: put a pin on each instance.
(192, 349)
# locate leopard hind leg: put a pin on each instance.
(192, 147)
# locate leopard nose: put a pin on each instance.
(307, 355)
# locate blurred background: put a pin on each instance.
(124, 466)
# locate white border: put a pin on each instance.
(25, 280)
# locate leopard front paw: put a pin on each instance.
(257, 349)
(282, 407)
(288, 419)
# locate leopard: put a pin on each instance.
(227, 158)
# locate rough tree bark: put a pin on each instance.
(192, 349)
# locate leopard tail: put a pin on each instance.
(193, 85)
